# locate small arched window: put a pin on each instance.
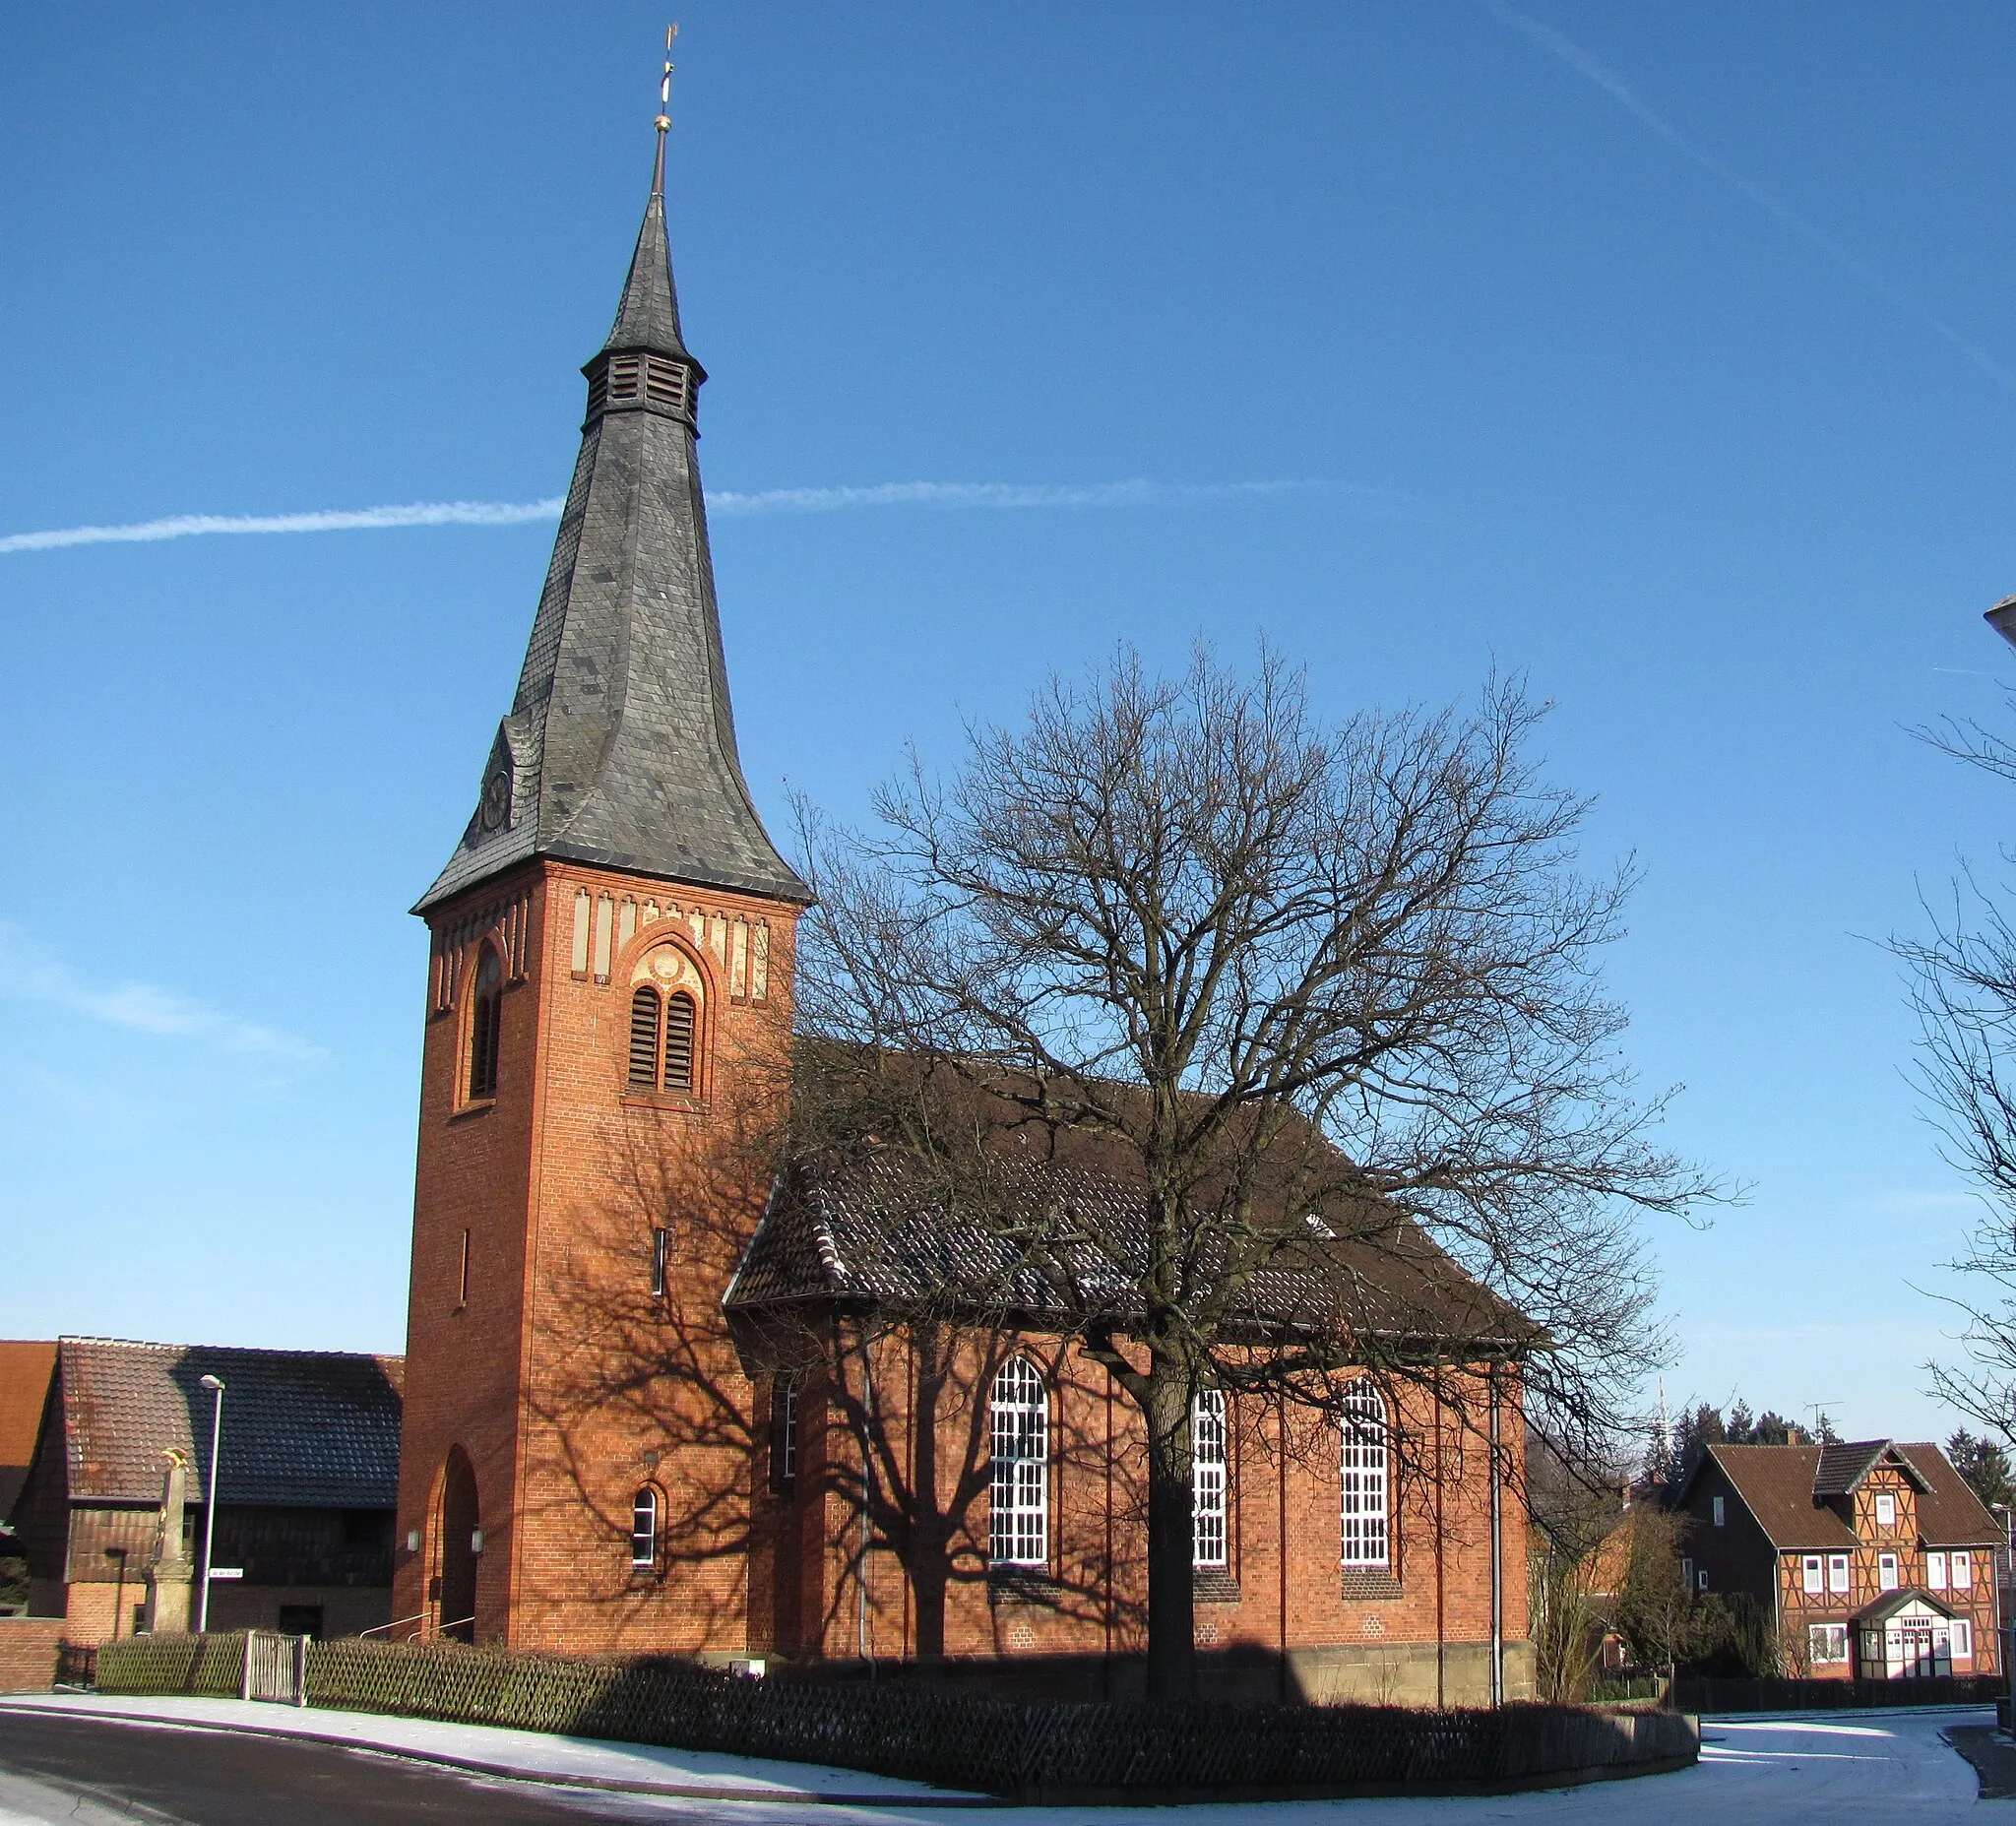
(1208, 1458)
(485, 1019)
(1020, 1465)
(1365, 1483)
(678, 1042)
(643, 1512)
(644, 1022)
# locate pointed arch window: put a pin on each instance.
(1019, 1434)
(1365, 1479)
(662, 1033)
(644, 1523)
(1208, 1469)
(485, 1020)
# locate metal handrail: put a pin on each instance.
(377, 1629)
(422, 1634)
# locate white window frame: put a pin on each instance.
(1701, 1580)
(1720, 1510)
(1960, 1569)
(1962, 1638)
(1935, 1572)
(1364, 1494)
(1886, 1509)
(1839, 1573)
(645, 1520)
(1209, 1478)
(1019, 1465)
(1813, 1573)
(1822, 1639)
(1887, 1574)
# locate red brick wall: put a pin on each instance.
(28, 1653)
(567, 1382)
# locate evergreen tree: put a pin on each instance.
(1984, 1465)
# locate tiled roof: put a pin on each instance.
(25, 1370)
(1846, 1463)
(859, 1232)
(1785, 1489)
(314, 1429)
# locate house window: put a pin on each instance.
(1886, 1509)
(660, 1259)
(1962, 1565)
(1018, 1530)
(1886, 1571)
(1207, 1479)
(1837, 1572)
(1364, 1479)
(1827, 1644)
(485, 1020)
(1935, 1572)
(1701, 1580)
(1687, 1574)
(1811, 1572)
(784, 1434)
(1720, 1513)
(1962, 1638)
(644, 1511)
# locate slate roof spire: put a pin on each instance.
(620, 746)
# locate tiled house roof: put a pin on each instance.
(301, 1428)
(860, 1233)
(1787, 1489)
(24, 1371)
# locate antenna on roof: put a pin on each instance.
(664, 123)
(1818, 1409)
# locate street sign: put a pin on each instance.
(227, 1572)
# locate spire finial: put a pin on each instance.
(663, 122)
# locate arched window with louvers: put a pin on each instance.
(1366, 1481)
(486, 1022)
(665, 1026)
(1018, 1438)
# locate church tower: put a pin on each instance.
(609, 1015)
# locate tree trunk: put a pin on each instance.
(1172, 1599)
(930, 1566)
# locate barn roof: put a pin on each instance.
(313, 1429)
(26, 1366)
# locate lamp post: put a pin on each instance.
(215, 1384)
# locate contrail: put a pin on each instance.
(328, 520)
(1621, 93)
(764, 501)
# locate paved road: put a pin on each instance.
(1860, 1770)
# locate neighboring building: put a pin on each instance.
(1873, 1559)
(110, 1512)
(596, 1456)
(25, 1367)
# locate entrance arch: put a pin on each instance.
(452, 1587)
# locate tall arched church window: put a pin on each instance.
(1019, 1434)
(644, 1022)
(644, 1516)
(1208, 1468)
(485, 1019)
(679, 1025)
(1366, 1478)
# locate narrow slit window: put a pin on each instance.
(461, 1275)
(484, 1022)
(678, 1042)
(644, 1006)
(784, 1434)
(660, 1259)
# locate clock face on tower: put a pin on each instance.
(496, 799)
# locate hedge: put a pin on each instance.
(1022, 1750)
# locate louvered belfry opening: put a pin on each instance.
(483, 1025)
(644, 1007)
(679, 1043)
(628, 381)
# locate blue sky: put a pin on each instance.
(1662, 355)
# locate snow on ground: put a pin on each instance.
(1843, 1769)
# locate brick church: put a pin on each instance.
(603, 1449)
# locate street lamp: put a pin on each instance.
(216, 1386)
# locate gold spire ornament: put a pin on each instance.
(665, 87)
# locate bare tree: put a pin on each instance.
(1327, 997)
(1963, 990)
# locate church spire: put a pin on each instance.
(620, 746)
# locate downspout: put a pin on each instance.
(1441, 1584)
(1281, 1539)
(1497, 1552)
(861, 1568)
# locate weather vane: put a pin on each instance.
(665, 87)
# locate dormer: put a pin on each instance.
(1873, 1488)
